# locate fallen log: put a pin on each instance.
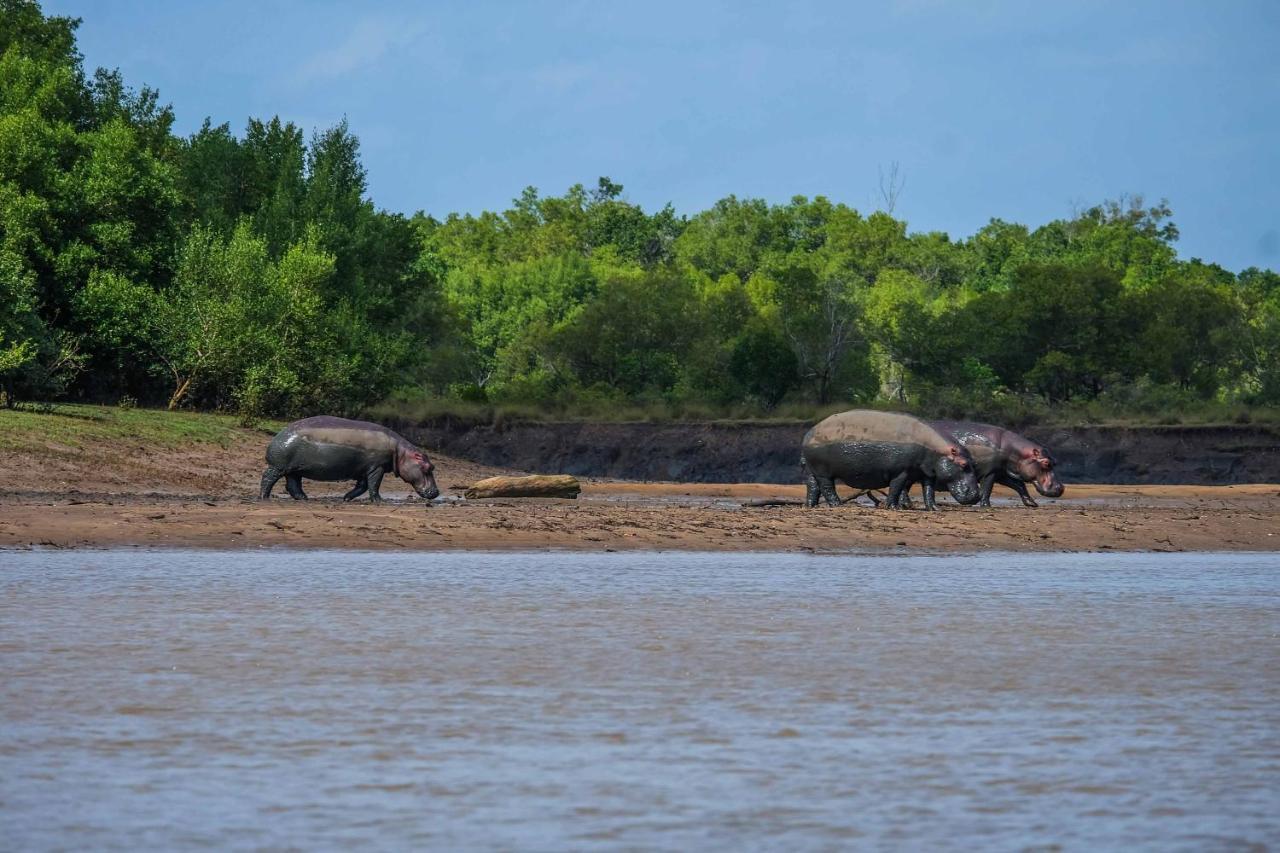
(533, 486)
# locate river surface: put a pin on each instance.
(553, 701)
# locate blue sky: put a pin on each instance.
(1023, 111)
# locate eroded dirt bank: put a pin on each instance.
(768, 453)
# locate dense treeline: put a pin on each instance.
(252, 272)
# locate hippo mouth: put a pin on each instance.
(1050, 487)
(429, 492)
(965, 491)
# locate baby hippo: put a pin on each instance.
(328, 448)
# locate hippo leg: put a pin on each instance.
(878, 498)
(929, 502)
(269, 478)
(827, 486)
(810, 486)
(985, 489)
(293, 482)
(361, 486)
(899, 484)
(1019, 487)
(374, 480)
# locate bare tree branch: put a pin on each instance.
(891, 186)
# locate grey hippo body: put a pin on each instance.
(884, 450)
(329, 448)
(1003, 456)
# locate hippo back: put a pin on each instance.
(326, 429)
(867, 449)
(327, 447)
(867, 426)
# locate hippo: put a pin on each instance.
(876, 450)
(329, 448)
(1002, 456)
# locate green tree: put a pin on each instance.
(906, 319)
(1192, 329)
(762, 363)
(1259, 328)
(274, 159)
(212, 176)
(633, 335)
(1059, 330)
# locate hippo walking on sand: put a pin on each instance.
(877, 450)
(1002, 456)
(328, 448)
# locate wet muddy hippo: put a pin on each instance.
(1002, 456)
(328, 448)
(884, 450)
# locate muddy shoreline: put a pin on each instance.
(622, 516)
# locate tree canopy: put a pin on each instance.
(251, 271)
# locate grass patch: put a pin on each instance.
(86, 427)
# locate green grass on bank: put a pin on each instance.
(86, 427)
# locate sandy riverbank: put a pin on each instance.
(649, 516)
(128, 490)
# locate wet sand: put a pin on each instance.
(130, 494)
(631, 516)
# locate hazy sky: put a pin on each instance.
(1022, 111)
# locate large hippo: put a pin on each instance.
(877, 450)
(328, 448)
(1002, 456)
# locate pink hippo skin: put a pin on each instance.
(1005, 457)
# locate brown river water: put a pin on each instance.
(556, 701)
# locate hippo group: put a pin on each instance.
(864, 449)
(870, 450)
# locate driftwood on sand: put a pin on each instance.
(533, 486)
